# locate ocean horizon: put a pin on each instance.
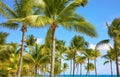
(79, 76)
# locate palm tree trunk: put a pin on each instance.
(74, 64)
(116, 56)
(80, 70)
(53, 26)
(77, 68)
(95, 68)
(24, 28)
(36, 68)
(45, 71)
(111, 68)
(71, 67)
(87, 74)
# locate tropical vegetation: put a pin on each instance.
(53, 57)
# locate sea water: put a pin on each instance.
(82, 76)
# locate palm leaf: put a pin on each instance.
(72, 6)
(9, 12)
(9, 25)
(82, 27)
(103, 42)
(37, 20)
(106, 62)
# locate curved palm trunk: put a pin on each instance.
(24, 28)
(116, 56)
(95, 68)
(53, 26)
(111, 68)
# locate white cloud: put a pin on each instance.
(105, 47)
(92, 46)
(39, 40)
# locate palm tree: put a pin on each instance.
(113, 32)
(22, 12)
(96, 55)
(10, 60)
(77, 43)
(3, 36)
(80, 60)
(110, 56)
(63, 13)
(70, 55)
(89, 67)
(36, 55)
(90, 56)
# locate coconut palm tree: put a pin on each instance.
(36, 55)
(62, 12)
(90, 56)
(96, 55)
(69, 56)
(89, 67)
(23, 9)
(3, 36)
(10, 60)
(77, 43)
(80, 60)
(113, 32)
(110, 56)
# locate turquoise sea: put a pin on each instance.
(82, 76)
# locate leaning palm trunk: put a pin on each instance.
(111, 68)
(116, 56)
(53, 26)
(22, 50)
(95, 68)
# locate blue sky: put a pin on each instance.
(98, 12)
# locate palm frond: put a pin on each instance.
(48, 39)
(71, 6)
(9, 12)
(3, 36)
(82, 27)
(38, 21)
(103, 42)
(106, 62)
(9, 25)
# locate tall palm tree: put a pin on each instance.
(62, 12)
(36, 56)
(78, 43)
(23, 9)
(89, 67)
(96, 55)
(70, 55)
(80, 60)
(110, 56)
(113, 32)
(90, 56)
